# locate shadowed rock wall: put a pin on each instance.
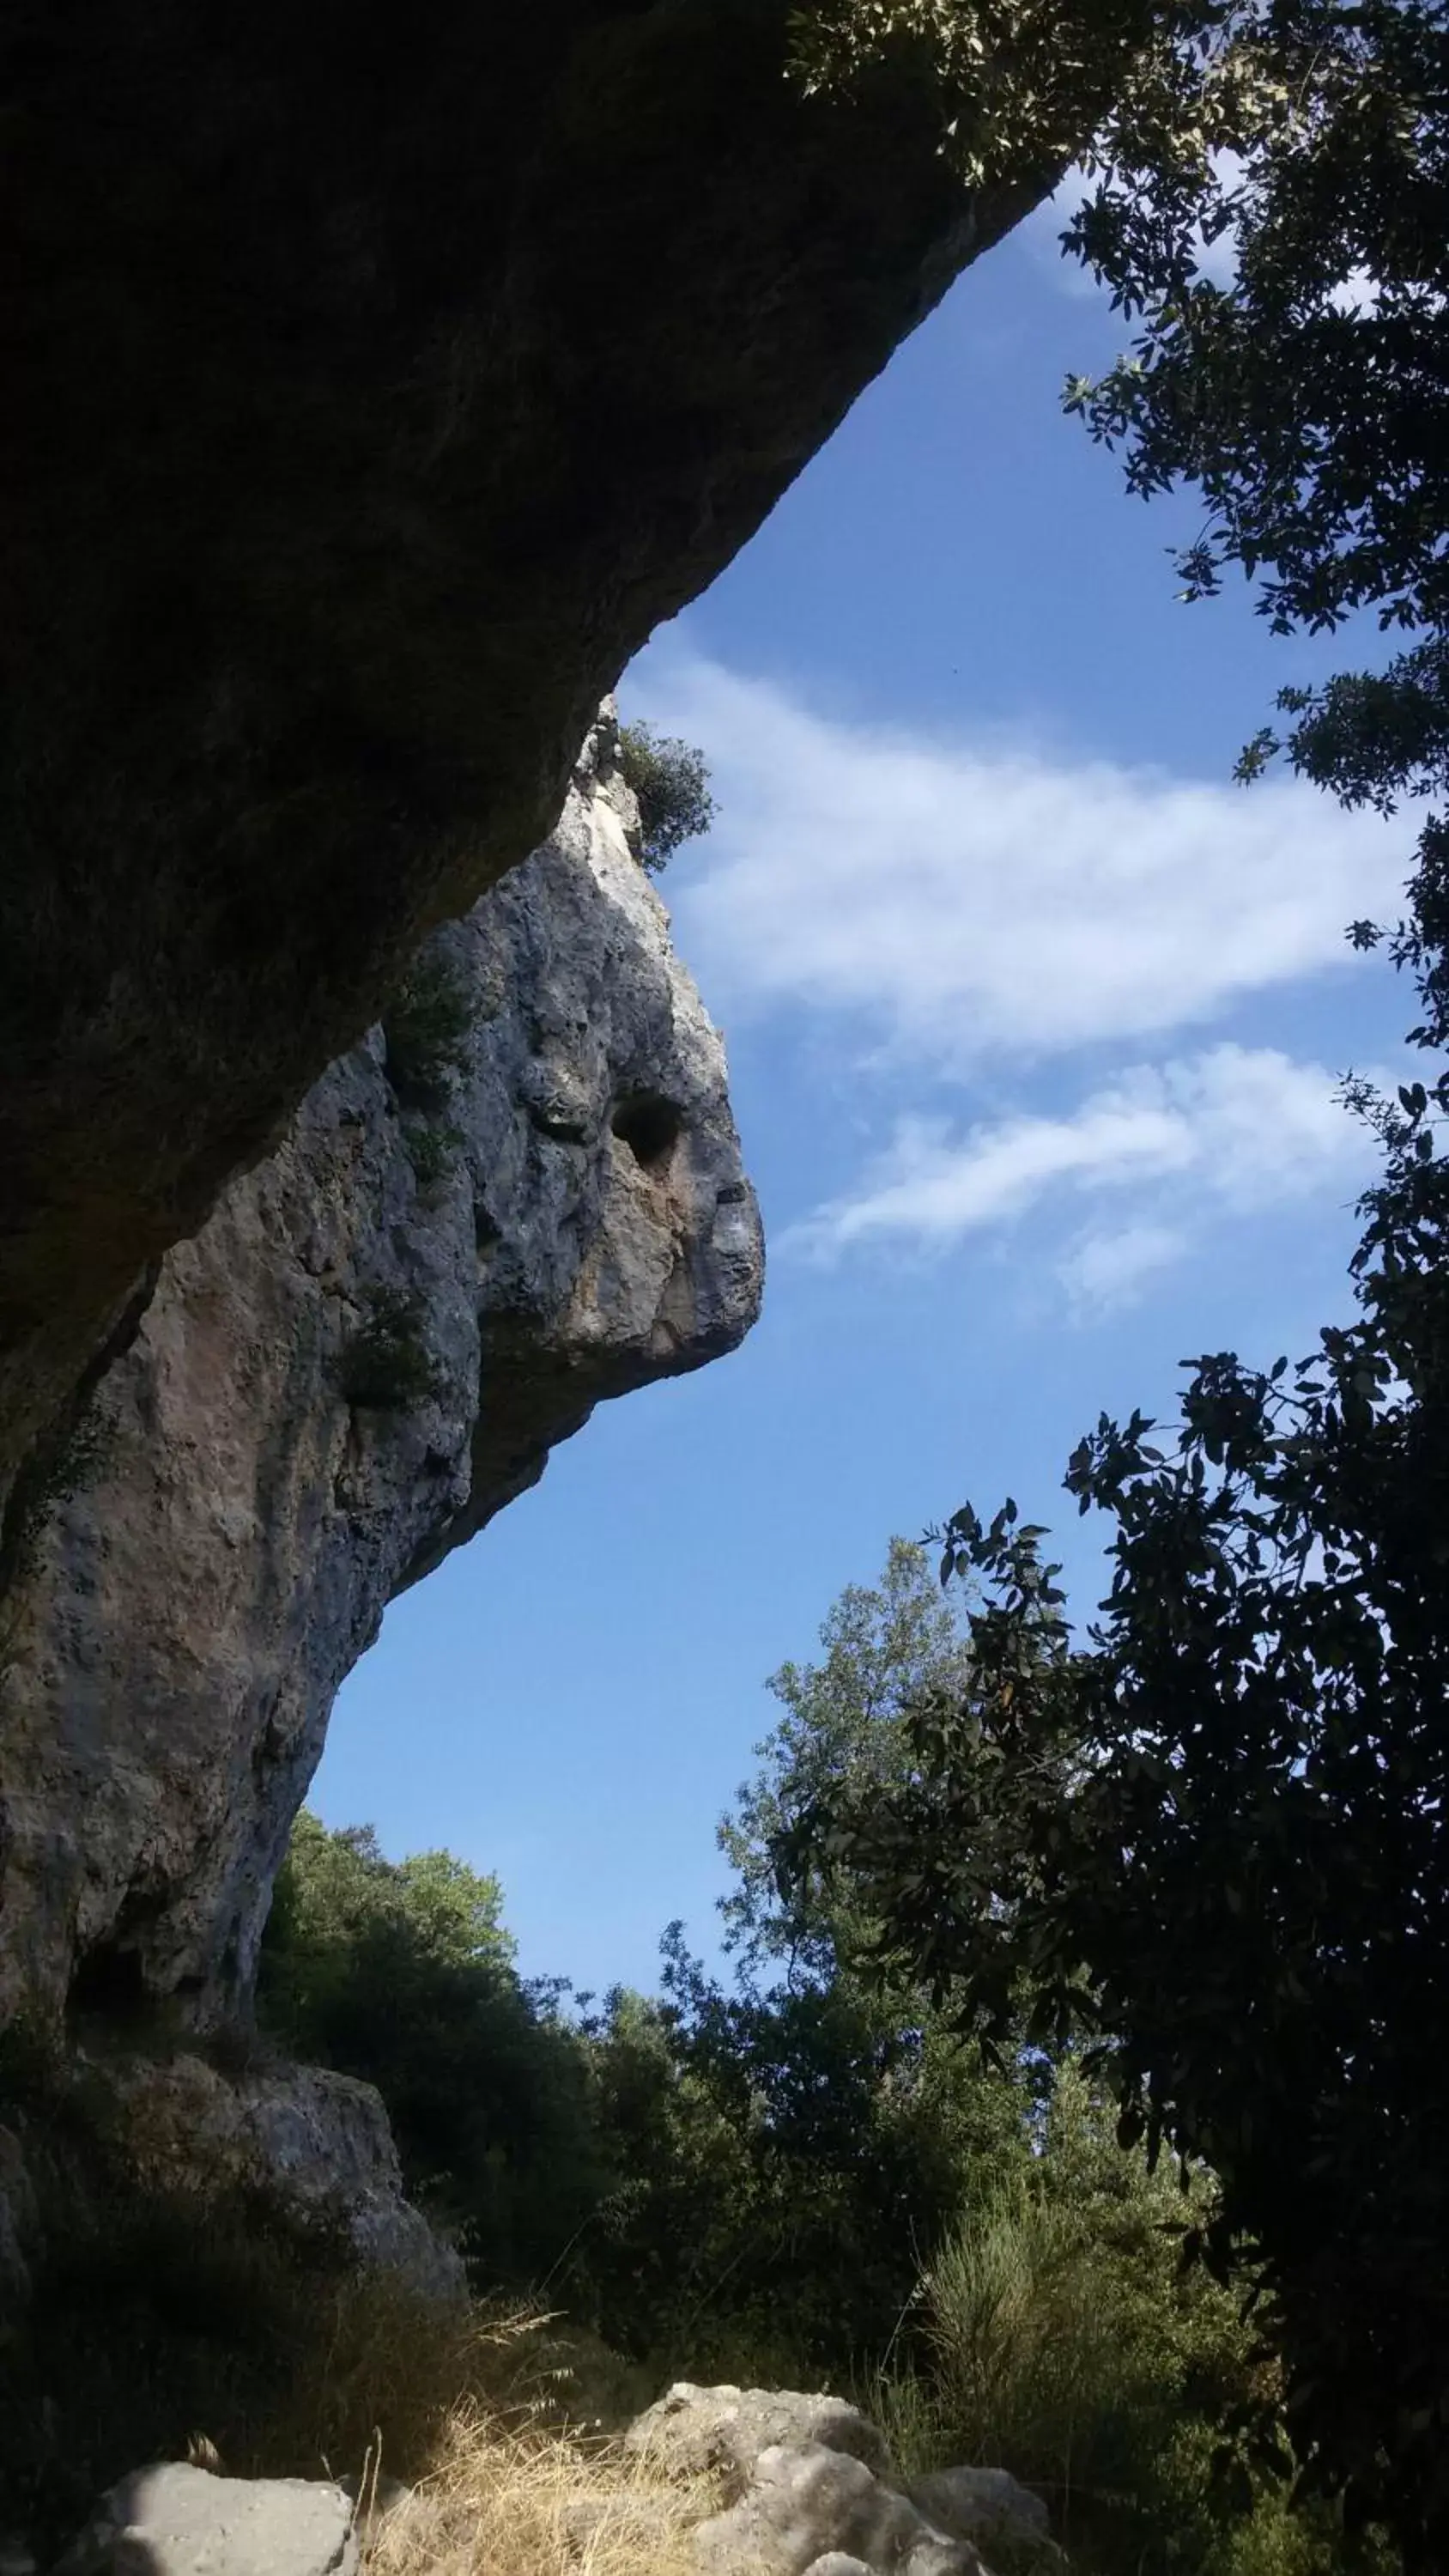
(376, 377)
(368, 1350)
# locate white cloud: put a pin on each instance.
(1228, 1132)
(969, 902)
(1107, 1269)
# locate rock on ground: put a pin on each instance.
(805, 2502)
(315, 2144)
(179, 2521)
(989, 2507)
(808, 2488)
(700, 2432)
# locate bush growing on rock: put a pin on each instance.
(426, 1027)
(670, 783)
(386, 1366)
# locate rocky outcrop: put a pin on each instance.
(991, 2509)
(696, 2488)
(520, 1195)
(807, 2507)
(374, 382)
(807, 2487)
(720, 2432)
(302, 2142)
(174, 2520)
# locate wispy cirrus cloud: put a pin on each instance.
(973, 902)
(970, 920)
(1229, 1131)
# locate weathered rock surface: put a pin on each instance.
(990, 2508)
(805, 2502)
(808, 2488)
(314, 2144)
(18, 2225)
(721, 2432)
(374, 383)
(179, 2521)
(368, 1350)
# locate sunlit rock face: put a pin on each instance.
(370, 1348)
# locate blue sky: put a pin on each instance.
(1034, 1022)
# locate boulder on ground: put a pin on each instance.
(806, 2503)
(180, 2521)
(700, 2432)
(990, 2508)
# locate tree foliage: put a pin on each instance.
(885, 1646)
(1023, 80)
(402, 1973)
(669, 780)
(798, 2139)
(1212, 1835)
(1308, 397)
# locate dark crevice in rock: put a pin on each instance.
(649, 1125)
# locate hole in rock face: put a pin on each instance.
(109, 1985)
(649, 1125)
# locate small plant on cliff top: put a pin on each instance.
(670, 781)
(386, 1366)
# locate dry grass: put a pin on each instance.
(516, 2497)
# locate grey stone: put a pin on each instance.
(805, 2502)
(316, 2142)
(988, 2507)
(374, 2500)
(180, 2521)
(696, 2432)
(237, 1525)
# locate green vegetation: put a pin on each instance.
(157, 2314)
(808, 2176)
(1211, 1841)
(426, 1027)
(670, 781)
(404, 1975)
(1023, 76)
(386, 1365)
(432, 1148)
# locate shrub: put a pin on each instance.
(386, 1366)
(670, 781)
(1065, 2341)
(426, 1028)
(402, 1973)
(157, 2314)
(432, 1149)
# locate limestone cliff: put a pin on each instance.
(376, 377)
(519, 1195)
